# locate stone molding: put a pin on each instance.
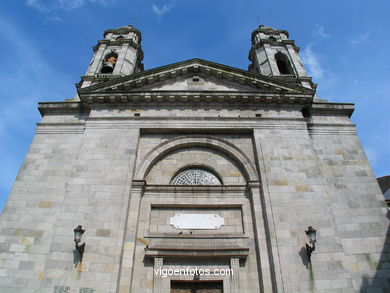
(344, 109)
(331, 129)
(195, 188)
(188, 97)
(269, 30)
(123, 30)
(209, 252)
(60, 128)
(117, 43)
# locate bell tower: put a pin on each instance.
(118, 54)
(274, 54)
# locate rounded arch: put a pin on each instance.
(283, 63)
(158, 152)
(109, 62)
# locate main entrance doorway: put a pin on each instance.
(196, 287)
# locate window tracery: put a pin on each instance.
(195, 176)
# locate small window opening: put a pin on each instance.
(258, 115)
(283, 63)
(119, 38)
(137, 114)
(195, 78)
(109, 63)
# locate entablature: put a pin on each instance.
(196, 97)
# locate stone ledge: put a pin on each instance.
(332, 109)
(60, 128)
(188, 97)
(197, 236)
(195, 188)
(216, 252)
(62, 108)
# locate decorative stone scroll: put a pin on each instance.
(197, 221)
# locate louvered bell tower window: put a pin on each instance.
(195, 176)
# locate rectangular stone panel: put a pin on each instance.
(204, 220)
(197, 221)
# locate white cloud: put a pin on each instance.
(162, 10)
(360, 38)
(47, 6)
(320, 32)
(312, 62)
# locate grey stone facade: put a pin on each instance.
(106, 159)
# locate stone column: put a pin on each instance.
(157, 278)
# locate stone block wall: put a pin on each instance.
(310, 172)
(70, 176)
(320, 176)
(358, 210)
(30, 220)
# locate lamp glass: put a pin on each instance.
(311, 234)
(78, 233)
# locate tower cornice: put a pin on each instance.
(123, 30)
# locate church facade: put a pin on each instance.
(195, 177)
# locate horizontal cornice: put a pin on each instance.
(318, 108)
(186, 97)
(116, 43)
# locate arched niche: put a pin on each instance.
(201, 143)
(198, 161)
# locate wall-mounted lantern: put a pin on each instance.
(311, 234)
(78, 234)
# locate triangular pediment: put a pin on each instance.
(195, 75)
(195, 82)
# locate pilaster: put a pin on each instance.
(127, 265)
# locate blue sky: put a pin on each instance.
(46, 47)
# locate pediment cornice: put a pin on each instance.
(256, 83)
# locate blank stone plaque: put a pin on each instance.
(197, 221)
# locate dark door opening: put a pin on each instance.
(196, 287)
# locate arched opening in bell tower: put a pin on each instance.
(109, 62)
(283, 63)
